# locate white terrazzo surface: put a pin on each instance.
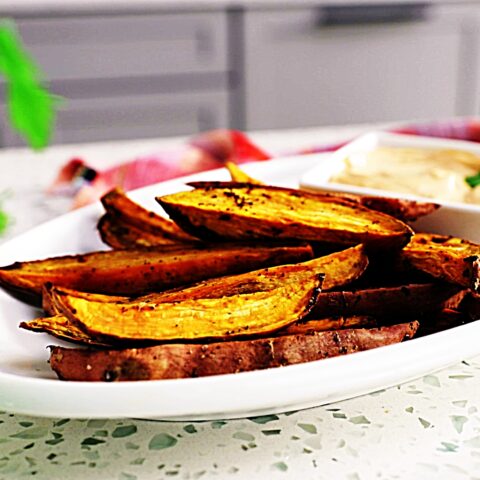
(425, 429)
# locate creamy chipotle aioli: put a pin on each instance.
(428, 173)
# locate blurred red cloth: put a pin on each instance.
(208, 151)
(203, 152)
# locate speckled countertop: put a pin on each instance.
(425, 429)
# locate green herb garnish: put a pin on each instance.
(473, 180)
(30, 105)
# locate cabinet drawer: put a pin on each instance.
(127, 46)
(135, 117)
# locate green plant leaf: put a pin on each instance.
(31, 108)
(3, 221)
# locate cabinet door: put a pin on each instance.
(134, 117)
(127, 45)
(302, 72)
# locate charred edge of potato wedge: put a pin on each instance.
(187, 361)
(120, 206)
(139, 271)
(229, 210)
(261, 303)
(447, 258)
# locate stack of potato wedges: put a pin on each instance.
(245, 276)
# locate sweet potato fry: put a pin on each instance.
(471, 306)
(401, 208)
(183, 360)
(119, 205)
(448, 258)
(49, 297)
(324, 324)
(120, 235)
(236, 211)
(250, 304)
(135, 272)
(339, 269)
(59, 326)
(406, 301)
(443, 320)
(238, 175)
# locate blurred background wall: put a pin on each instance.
(160, 68)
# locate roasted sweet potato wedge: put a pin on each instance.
(338, 269)
(183, 360)
(120, 235)
(250, 304)
(403, 209)
(117, 203)
(49, 297)
(406, 301)
(135, 272)
(448, 258)
(332, 323)
(471, 306)
(238, 175)
(59, 326)
(236, 211)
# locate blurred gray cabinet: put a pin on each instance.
(132, 76)
(255, 66)
(332, 65)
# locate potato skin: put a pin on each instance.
(187, 361)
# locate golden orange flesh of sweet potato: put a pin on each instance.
(238, 175)
(223, 210)
(59, 326)
(135, 272)
(184, 360)
(451, 259)
(256, 303)
(338, 269)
